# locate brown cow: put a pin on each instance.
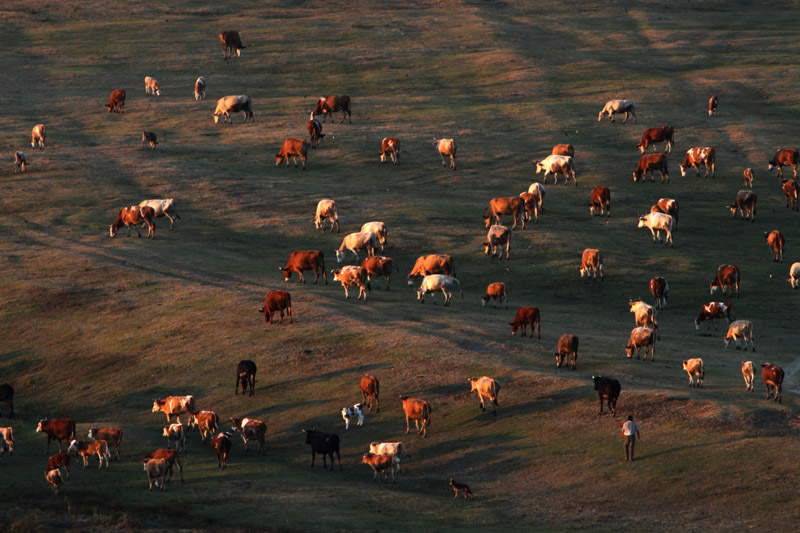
(251, 429)
(230, 41)
(748, 373)
(713, 310)
(116, 101)
(651, 136)
(659, 288)
(206, 421)
(294, 148)
(112, 436)
(591, 264)
(727, 278)
(526, 316)
(7, 440)
(221, 444)
(135, 215)
(370, 392)
(328, 105)
(740, 330)
(784, 157)
(379, 266)
(57, 461)
(20, 162)
(56, 428)
(170, 456)
(148, 137)
(54, 478)
(600, 201)
(495, 291)
(314, 131)
(696, 370)
(748, 177)
(563, 149)
(487, 388)
(745, 205)
(668, 206)
(390, 146)
(608, 388)
(277, 301)
(246, 377)
(532, 203)
(505, 205)
(773, 377)
(642, 338)
(650, 163)
(418, 411)
(432, 264)
(790, 190)
(87, 449)
(712, 104)
(381, 463)
(775, 241)
(567, 349)
(353, 276)
(495, 239)
(301, 260)
(699, 155)
(174, 406)
(447, 148)
(37, 135)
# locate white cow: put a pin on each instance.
(555, 164)
(151, 86)
(656, 223)
(356, 411)
(163, 208)
(694, 367)
(617, 106)
(446, 147)
(748, 373)
(738, 330)
(200, 88)
(794, 275)
(379, 229)
(326, 208)
(438, 282)
(353, 242)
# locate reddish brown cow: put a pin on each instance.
(170, 456)
(301, 260)
(790, 190)
(379, 266)
(600, 201)
(773, 379)
(221, 444)
(279, 301)
(532, 202)
(712, 104)
(432, 264)
(745, 205)
(390, 146)
(659, 288)
(231, 42)
(418, 411)
(591, 264)
(727, 279)
(56, 428)
(294, 148)
(784, 157)
(650, 163)
(135, 215)
(775, 241)
(206, 421)
(526, 316)
(700, 155)
(609, 389)
(112, 436)
(567, 349)
(370, 392)
(495, 291)
(505, 205)
(748, 177)
(563, 149)
(57, 461)
(668, 206)
(328, 105)
(116, 102)
(381, 463)
(651, 136)
(314, 132)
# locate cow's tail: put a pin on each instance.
(702, 371)
(459, 288)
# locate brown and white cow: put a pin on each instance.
(539, 190)
(567, 351)
(656, 223)
(221, 444)
(600, 201)
(432, 264)
(353, 242)
(591, 264)
(794, 275)
(133, 216)
(495, 291)
(531, 202)
(200, 88)
(175, 433)
(370, 392)
(206, 421)
(505, 205)
(563, 149)
(37, 136)
(57, 428)
(784, 157)
(151, 86)
(652, 136)
(112, 436)
(524, 317)
(326, 209)
(790, 190)
(277, 301)
(434, 283)
(419, 411)
(650, 163)
(379, 266)
(251, 429)
(668, 206)
(748, 373)
(379, 229)
(700, 155)
(555, 165)
(740, 330)
(644, 315)
(116, 102)
(163, 208)
(613, 107)
(495, 239)
(745, 205)
(713, 310)
(776, 242)
(712, 104)
(487, 389)
(174, 406)
(87, 449)
(447, 148)
(694, 367)
(57, 461)
(726, 279)
(156, 472)
(773, 379)
(314, 128)
(659, 288)
(642, 338)
(20, 162)
(300, 260)
(170, 456)
(381, 463)
(390, 146)
(294, 148)
(352, 276)
(233, 104)
(328, 105)
(748, 177)
(231, 42)
(148, 137)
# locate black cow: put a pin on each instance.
(7, 395)
(607, 388)
(246, 375)
(324, 443)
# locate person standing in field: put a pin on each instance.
(630, 433)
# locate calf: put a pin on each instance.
(206, 421)
(531, 202)
(656, 223)
(326, 444)
(379, 229)
(277, 301)
(156, 473)
(379, 266)
(775, 241)
(659, 288)
(176, 434)
(609, 389)
(221, 444)
(613, 107)
(20, 162)
(527, 316)
(251, 429)
(148, 137)
(567, 350)
(650, 163)
(380, 463)
(7, 397)
(668, 206)
(563, 149)
(246, 376)
(644, 315)
(447, 148)
(505, 205)
(794, 275)
(294, 148)
(419, 411)
(712, 104)
(748, 373)
(773, 379)
(116, 102)
(301, 260)
(370, 392)
(54, 478)
(327, 106)
(200, 89)
(438, 282)
(600, 201)
(326, 209)
(112, 436)
(487, 389)
(713, 310)
(748, 177)
(57, 428)
(694, 367)
(495, 239)
(432, 264)
(390, 146)
(174, 406)
(352, 276)
(555, 165)
(231, 42)
(726, 279)
(38, 135)
(591, 264)
(784, 157)
(353, 242)
(790, 190)
(87, 449)
(642, 338)
(740, 330)
(315, 134)
(170, 456)
(151, 86)
(163, 208)
(57, 461)
(357, 412)
(651, 136)
(495, 291)
(699, 155)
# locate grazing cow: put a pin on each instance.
(314, 128)
(54, 478)
(176, 434)
(325, 444)
(505, 205)
(148, 137)
(112, 436)
(700, 155)
(600, 201)
(694, 367)
(350, 276)
(726, 279)
(156, 473)
(651, 136)
(609, 389)
(524, 317)
(7, 436)
(151, 86)
(613, 107)
(300, 260)
(170, 456)
(790, 190)
(447, 148)
(539, 190)
(162, 208)
(20, 162)
(712, 104)
(644, 315)
(748, 177)
(357, 412)
(567, 350)
(233, 104)
(116, 102)
(784, 157)
(773, 379)
(326, 209)
(7, 397)
(531, 203)
(591, 264)
(231, 42)
(246, 376)
(432, 264)
(379, 229)
(221, 444)
(174, 406)
(294, 148)
(775, 241)
(251, 429)
(87, 449)
(495, 239)
(487, 389)
(745, 204)
(668, 206)
(370, 392)
(563, 149)
(740, 330)
(380, 463)
(794, 275)
(656, 223)
(748, 373)
(278, 301)
(642, 338)
(650, 163)
(659, 288)
(418, 411)
(200, 89)
(57, 428)
(379, 266)
(133, 216)
(55, 462)
(495, 291)
(555, 164)
(390, 146)
(329, 105)
(438, 282)
(206, 421)
(37, 135)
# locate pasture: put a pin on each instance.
(95, 328)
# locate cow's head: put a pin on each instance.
(92, 433)
(279, 159)
(73, 446)
(629, 350)
(473, 381)
(600, 115)
(286, 273)
(641, 147)
(539, 166)
(770, 166)
(559, 359)
(486, 247)
(637, 175)
(683, 170)
(158, 404)
(216, 118)
(112, 231)
(40, 427)
(642, 221)
(340, 256)
(514, 327)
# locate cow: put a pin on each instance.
(379, 229)
(495, 291)
(790, 190)
(650, 163)
(438, 282)
(555, 164)
(133, 216)
(233, 104)
(726, 279)
(206, 421)
(277, 301)
(487, 389)
(656, 223)
(246, 376)
(170, 456)
(379, 266)
(57, 428)
(591, 264)
(251, 429)
(773, 379)
(151, 86)
(784, 157)
(432, 264)
(740, 330)
(745, 204)
(659, 288)
(314, 129)
(175, 433)
(539, 190)
(7, 436)
(794, 275)
(644, 315)
(116, 102)
(524, 317)
(351, 276)
(651, 136)
(300, 260)
(419, 411)
(600, 201)
(156, 473)
(613, 107)
(380, 463)
(748, 177)
(326, 444)
(87, 449)
(495, 239)
(694, 367)
(748, 373)
(505, 205)
(396, 449)
(56, 461)
(37, 136)
(329, 105)
(200, 89)
(174, 406)
(112, 436)
(231, 42)
(54, 478)
(531, 203)
(642, 338)
(7, 397)
(162, 208)
(447, 148)
(20, 162)
(609, 389)
(326, 209)
(775, 241)
(699, 155)
(712, 104)
(148, 137)
(668, 206)
(567, 351)
(294, 148)
(563, 149)
(357, 412)
(221, 444)
(390, 146)
(370, 392)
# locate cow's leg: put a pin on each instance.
(313, 455)
(171, 221)
(346, 294)
(407, 428)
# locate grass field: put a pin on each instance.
(95, 328)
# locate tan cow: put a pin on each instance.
(151, 86)
(495, 291)
(775, 241)
(174, 406)
(555, 165)
(353, 242)
(233, 104)
(748, 373)
(487, 389)
(656, 223)
(591, 264)
(351, 276)
(495, 239)
(740, 330)
(38, 135)
(694, 367)
(447, 148)
(644, 315)
(381, 463)
(642, 338)
(668, 206)
(326, 209)
(432, 264)
(794, 275)
(539, 190)
(156, 473)
(54, 478)
(567, 350)
(206, 421)
(434, 283)
(613, 107)
(418, 411)
(162, 208)
(390, 146)
(175, 433)
(379, 229)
